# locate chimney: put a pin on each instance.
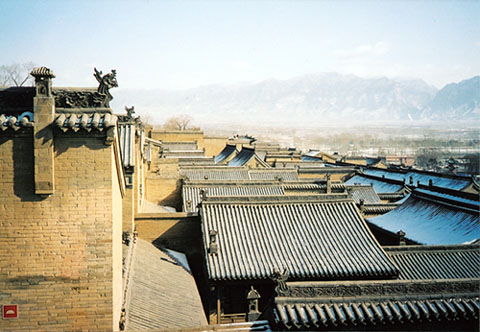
(362, 204)
(44, 113)
(329, 184)
(212, 246)
(401, 238)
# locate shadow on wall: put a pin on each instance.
(77, 142)
(184, 236)
(23, 167)
(172, 198)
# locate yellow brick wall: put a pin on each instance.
(128, 209)
(175, 231)
(179, 136)
(57, 257)
(164, 191)
(117, 253)
(213, 145)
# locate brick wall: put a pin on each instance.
(213, 145)
(60, 258)
(164, 191)
(178, 136)
(177, 231)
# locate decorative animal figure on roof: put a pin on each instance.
(106, 82)
(130, 111)
(280, 277)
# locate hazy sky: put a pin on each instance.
(182, 44)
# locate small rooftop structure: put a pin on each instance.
(245, 156)
(415, 177)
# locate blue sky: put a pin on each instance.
(183, 44)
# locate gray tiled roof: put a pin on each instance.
(362, 192)
(436, 262)
(317, 186)
(217, 173)
(385, 313)
(390, 304)
(161, 293)
(236, 173)
(311, 237)
(272, 174)
(191, 193)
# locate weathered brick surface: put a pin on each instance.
(60, 258)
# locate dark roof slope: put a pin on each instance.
(436, 262)
(227, 151)
(434, 218)
(311, 237)
(243, 157)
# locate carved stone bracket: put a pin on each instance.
(78, 99)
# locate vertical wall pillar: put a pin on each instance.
(44, 112)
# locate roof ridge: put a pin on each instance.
(281, 199)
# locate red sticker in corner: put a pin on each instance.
(9, 311)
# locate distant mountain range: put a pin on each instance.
(320, 99)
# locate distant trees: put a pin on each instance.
(16, 74)
(180, 122)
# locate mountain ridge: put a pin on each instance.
(312, 99)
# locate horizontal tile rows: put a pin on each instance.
(304, 315)
(311, 240)
(237, 173)
(192, 194)
(432, 262)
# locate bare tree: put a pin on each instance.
(16, 74)
(180, 122)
